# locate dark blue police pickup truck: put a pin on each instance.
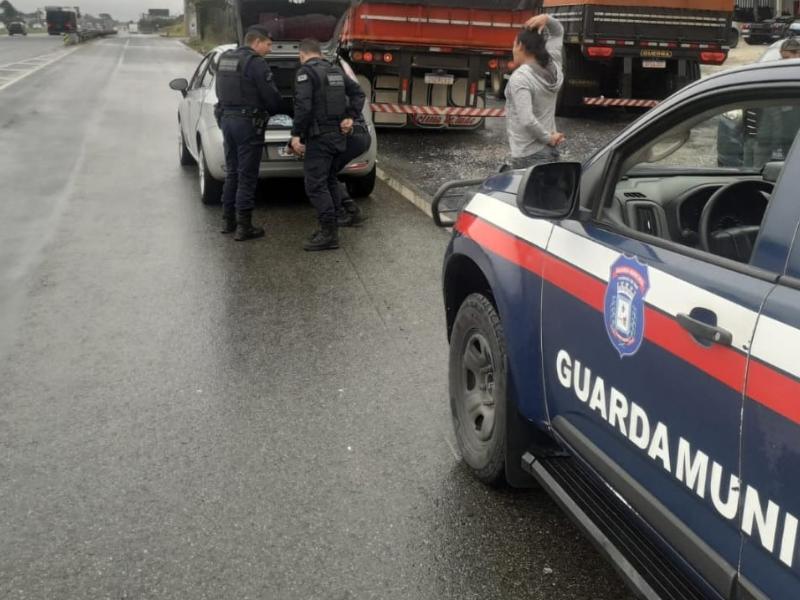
(627, 332)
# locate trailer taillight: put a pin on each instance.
(494, 63)
(712, 58)
(511, 65)
(358, 56)
(368, 57)
(600, 52)
(388, 57)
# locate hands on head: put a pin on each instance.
(537, 23)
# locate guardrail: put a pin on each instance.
(71, 39)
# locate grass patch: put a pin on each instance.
(176, 30)
(204, 46)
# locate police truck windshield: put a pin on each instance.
(288, 21)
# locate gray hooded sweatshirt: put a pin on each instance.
(531, 96)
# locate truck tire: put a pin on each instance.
(361, 187)
(478, 373)
(733, 38)
(499, 85)
(210, 188)
(570, 101)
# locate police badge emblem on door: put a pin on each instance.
(624, 304)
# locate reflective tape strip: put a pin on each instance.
(455, 111)
(626, 102)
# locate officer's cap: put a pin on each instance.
(259, 30)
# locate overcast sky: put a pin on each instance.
(122, 10)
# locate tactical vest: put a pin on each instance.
(330, 96)
(234, 90)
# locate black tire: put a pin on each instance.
(361, 187)
(751, 42)
(499, 84)
(733, 38)
(210, 188)
(184, 156)
(478, 375)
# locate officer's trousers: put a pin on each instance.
(243, 148)
(322, 153)
(358, 142)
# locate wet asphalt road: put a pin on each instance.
(182, 416)
(16, 47)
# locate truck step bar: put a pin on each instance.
(604, 518)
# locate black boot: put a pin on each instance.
(244, 227)
(228, 220)
(350, 214)
(327, 238)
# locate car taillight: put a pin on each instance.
(713, 58)
(600, 52)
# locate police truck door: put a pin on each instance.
(646, 336)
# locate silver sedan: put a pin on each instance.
(200, 138)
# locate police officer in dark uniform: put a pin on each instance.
(358, 141)
(324, 98)
(247, 96)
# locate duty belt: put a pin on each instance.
(247, 113)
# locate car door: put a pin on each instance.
(770, 566)
(646, 338)
(193, 102)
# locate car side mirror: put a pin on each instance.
(550, 191)
(179, 85)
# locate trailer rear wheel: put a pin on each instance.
(733, 38)
(499, 83)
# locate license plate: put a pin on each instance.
(278, 152)
(432, 79)
(654, 64)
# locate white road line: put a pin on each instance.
(55, 58)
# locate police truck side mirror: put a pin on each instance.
(179, 85)
(550, 191)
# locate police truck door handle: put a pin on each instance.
(704, 331)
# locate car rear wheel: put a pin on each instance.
(478, 372)
(184, 156)
(361, 187)
(210, 188)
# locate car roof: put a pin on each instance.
(758, 73)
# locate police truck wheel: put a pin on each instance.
(184, 156)
(361, 187)
(478, 371)
(210, 188)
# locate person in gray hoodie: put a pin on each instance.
(532, 92)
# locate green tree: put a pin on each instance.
(9, 13)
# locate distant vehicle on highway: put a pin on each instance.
(767, 31)
(200, 138)
(62, 20)
(17, 28)
(624, 333)
(133, 28)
